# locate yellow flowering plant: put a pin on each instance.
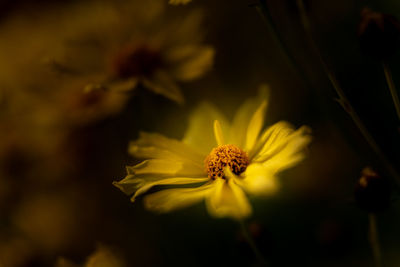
(217, 161)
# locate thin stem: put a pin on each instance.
(392, 87)
(263, 10)
(252, 244)
(343, 101)
(374, 240)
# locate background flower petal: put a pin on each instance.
(162, 83)
(191, 61)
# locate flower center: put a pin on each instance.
(225, 155)
(137, 60)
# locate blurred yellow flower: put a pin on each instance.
(15, 250)
(47, 220)
(85, 58)
(102, 257)
(216, 161)
(133, 43)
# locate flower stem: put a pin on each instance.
(262, 7)
(263, 10)
(252, 244)
(374, 240)
(392, 87)
(343, 101)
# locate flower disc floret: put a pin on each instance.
(225, 155)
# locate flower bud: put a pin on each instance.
(379, 34)
(372, 192)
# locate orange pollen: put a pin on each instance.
(225, 155)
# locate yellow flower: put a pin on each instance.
(133, 43)
(216, 161)
(85, 58)
(102, 257)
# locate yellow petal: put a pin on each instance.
(255, 125)
(258, 180)
(149, 173)
(244, 115)
(140, 186)
(270, 138)
(199, 134)
(157, 146)
(285, 151)
(228, 200)
(191, 61)
(165, 168)
(125, 85)
(104, 257)
(182, 52)
(161, 83)
(169, 181)
(128, 185)
(219, 136)
(184, 28)
(173, 199)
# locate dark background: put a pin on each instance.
(312, 221)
